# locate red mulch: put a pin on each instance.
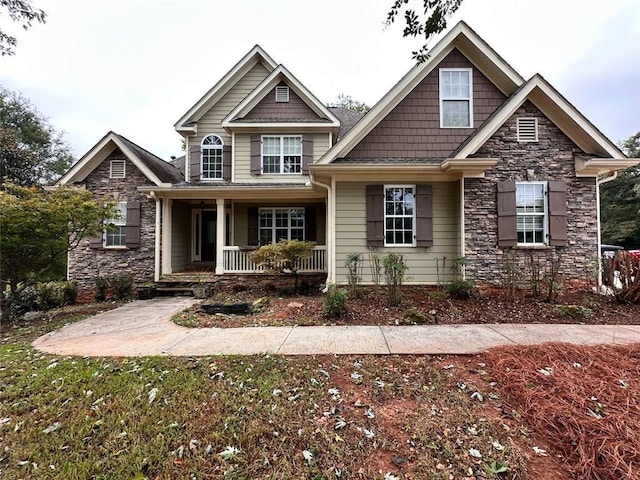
(584, 400)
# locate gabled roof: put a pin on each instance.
(254, 56)
(469, 44)
(154, 168)
(348, 118)
(557, 108)
(280, 74)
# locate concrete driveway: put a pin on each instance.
(144, 328)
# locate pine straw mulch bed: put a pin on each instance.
(585, 400)
(419, 305)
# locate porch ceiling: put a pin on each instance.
(237, 192)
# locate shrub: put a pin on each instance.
(25, 301)
(56, 294)
(394, 270)
(101, 284)
(354, 275)
(122, 286)
(286, 256)
(335, 300)
(461, 289)
(573, 311)
(623, 277)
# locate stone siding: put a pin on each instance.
(86, 262)
(551, 158)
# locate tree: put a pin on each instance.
(22, 12)
(432, 21)
(32, 152)
(39, 227)
(620, 202)
(345, 101)
(286, 256)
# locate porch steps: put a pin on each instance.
(174, 291)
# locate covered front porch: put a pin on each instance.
(203, 235)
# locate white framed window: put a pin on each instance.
(531, 213)
(399, 215)
(527, 129)
(282, 154)
(277, 224)
(117, 169)
(282, 94)
(456, 97)
(211, 158)
(115, 236)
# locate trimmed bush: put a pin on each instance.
(56, 294)
(461, 289)
(101, 284)
(122, 286)
(335, 300)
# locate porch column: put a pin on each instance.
(166, 235)
(220, 235)
(158, 243)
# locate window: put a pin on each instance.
(456, 102)
(277, 224)
(527, 129)
(115, 236)
(117, 169)
(399, 215)
(531, 211)
(282, 154)
(282, 94)
(211, 158)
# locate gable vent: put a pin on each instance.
(282, 93)
(117, 169)
(527, 129)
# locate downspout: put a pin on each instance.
(600, 181)
(330, 220)
(156, 258)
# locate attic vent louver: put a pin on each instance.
(527, 129)
(282, 94)
(117, 169)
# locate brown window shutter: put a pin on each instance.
(307, 153)
(424, 216)
(226, 162)
(256, 154)
(132, 230)
(252, 226)
(96, 242)
(557, 213)
(375, 215)
(310, 224)
(507, 234)
(194, 163)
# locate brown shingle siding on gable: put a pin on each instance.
(270, 110)
(412, 129)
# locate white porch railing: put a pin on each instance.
(237, 260)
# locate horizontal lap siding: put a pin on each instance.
(180, 236)
(243, 160)
(351, 233)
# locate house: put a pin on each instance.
(461, 158)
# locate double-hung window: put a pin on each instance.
(281, 224)
(456, 97)
(399, 215)
(211, 158)
(115, 235)
(531, 213)
(282, 154)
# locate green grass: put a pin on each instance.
(93, 418)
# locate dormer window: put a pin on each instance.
(211, 158)
(456, 97)
(282, 94)
(117, 169)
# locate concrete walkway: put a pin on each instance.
(144, 328)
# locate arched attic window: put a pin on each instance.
(211, 158)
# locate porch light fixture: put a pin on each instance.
(201, 204)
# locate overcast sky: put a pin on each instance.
(136, 66)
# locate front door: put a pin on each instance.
(208, 238)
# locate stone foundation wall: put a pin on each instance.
(86, 262)
(551, 158)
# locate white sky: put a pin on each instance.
(135, 66)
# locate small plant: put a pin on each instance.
(335, 300)
(551, 280)
(415, 316)
(510, 276)
(100, 285)
(461, 289)
(122, 286)
(354, 275)
(286, 256)
(394, 271)
(56, 294)
(573, 311)
(440, 266)
(376, 269)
